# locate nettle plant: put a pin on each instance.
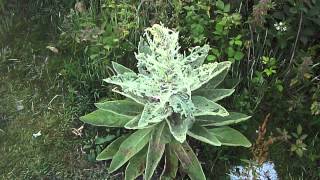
(172, 96)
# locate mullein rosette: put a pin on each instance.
(172, 95)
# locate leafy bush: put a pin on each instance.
(172, 96)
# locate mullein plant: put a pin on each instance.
(172, 95)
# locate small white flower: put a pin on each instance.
(281, 26)
(19, 105)
(36, 134)
(284, 28)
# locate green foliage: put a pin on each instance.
(299, 147)
(170, 110)
(274, 47)
(270, 64)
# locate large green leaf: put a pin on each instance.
(124, 107)
(136, 165)
(111, 149)
(105, 118)
(204, 73)
(132, 145)
(189, 161)
(171, 164)
(229, 83)
(129, 95)
(215, 81)
(214, 94)
(230, 137)
(152, 113)
(234, 117)
(120, 69)
(156, 150)
(197, 56)
(143, 47)
(133, 123)
(202, 134)
(179, 126)
(205, 106)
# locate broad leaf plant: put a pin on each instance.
(172, 95)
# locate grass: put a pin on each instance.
(31, 79)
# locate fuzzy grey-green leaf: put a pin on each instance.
(205, 106)
(230, 137)
(111, 149)
(179, 127)
(216, 81)
(105, 118)
(171, 164)
(155, 150)
(213, 94)
(120, 69)
(136, 165)
(124, 107)
(204, 73)
(131, 146)
(189, 161)
(234, 117)
(202, 134)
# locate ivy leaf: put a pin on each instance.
(211, 58)
(124, 107)
(238, 55)
(111, 149)
(136, 165)
(214, 94)
(234, 117)
(230, 137)
(131, 146)
(105, 118)
(189, 161)
(205, 106)
(120, 69)
(202, 134)
(220, 5)
(230, 52)
(226, 8)
(219, 28)
(171, 164)
(238, 42)
(155, 151)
